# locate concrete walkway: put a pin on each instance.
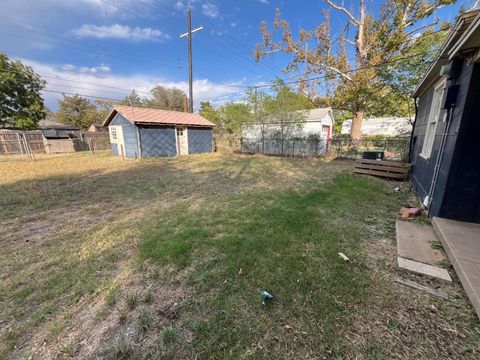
(461, 241)
(416, 251)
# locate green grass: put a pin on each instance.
(174, 253)
(286, 243)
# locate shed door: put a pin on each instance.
(182, 141)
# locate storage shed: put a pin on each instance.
(137, 132)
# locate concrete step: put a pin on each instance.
(461, 241)
(416, 252)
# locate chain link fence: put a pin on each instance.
(393, 148)
(311, 146)
(15, 142)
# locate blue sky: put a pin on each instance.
(93, 48)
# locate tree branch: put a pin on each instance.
(422, 27)
(341, 8)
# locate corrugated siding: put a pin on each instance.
(423, 169)
(129, 136)
(199, 140)
(158, 141)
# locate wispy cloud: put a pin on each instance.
(264, 1)
(210, 9)
(117, 31)
(70, 78)
(100, 69)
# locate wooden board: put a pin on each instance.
(385, 169)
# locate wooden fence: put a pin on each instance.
(13, 142)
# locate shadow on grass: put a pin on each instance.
(42, 281)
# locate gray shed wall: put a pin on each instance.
(200, 140)
(129, 136)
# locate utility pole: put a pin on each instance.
(190, 71)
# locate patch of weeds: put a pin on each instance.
(394, 326)
(123, 350)
(122, 315)
(156, 274)
(111, 297)
(55, 329)
(148, 297)
(131, 300)
(166, 341)
(145, 321)
(67, 348)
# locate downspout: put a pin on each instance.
(429, 198)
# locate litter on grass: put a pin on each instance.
(266, 296)
(343, 256)
(410, 213)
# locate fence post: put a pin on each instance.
(19, 140)
(293, 148)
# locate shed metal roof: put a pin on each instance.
(141, 115)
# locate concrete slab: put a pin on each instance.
(424, 269)
(461, 241)
(414, 242)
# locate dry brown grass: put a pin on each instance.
(70, 227)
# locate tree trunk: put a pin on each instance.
(356, 130)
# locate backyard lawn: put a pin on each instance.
(108, 258)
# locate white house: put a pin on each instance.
(392, 126)
(309, 137)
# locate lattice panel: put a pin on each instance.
(158, 142)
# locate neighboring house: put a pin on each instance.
(137, 132)
(392, 126)
(97, 128)
(59, 138)
(266, 137)
(445, 144)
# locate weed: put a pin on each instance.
(122, 315)
(148, 297)
(111, 297)
(122, 350)
(67, 348)
(131, 300)
(166, 341)
(145, 320)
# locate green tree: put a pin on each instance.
(77, 111)
(210, 113)
(21, 104)
(132, 99)
(378, 37)
(103, 108)
(166, 98)
(286, 108)
(234, 115)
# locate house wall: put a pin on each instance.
(423, 169)
(129, 137)
(462, 193)
(200, 140)
(158, 141)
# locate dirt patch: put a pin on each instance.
(130, 317)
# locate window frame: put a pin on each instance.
(434, 117)
(113, 134)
